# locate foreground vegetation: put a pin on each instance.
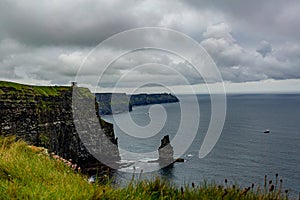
(31, 173)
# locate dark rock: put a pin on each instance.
(179, 160)
(166, 152)
(145, 99)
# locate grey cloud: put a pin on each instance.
(288, 52)
(19, 62)
(64, 22)
(264, 48)
(150, 66)
(273, 20)
(238, 64)
(87, 22)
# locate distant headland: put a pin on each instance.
(113, 103)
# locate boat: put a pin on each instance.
(267, 131)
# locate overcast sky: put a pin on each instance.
(255, 44)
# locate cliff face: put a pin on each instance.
(111, 105)
(145, 99)
(43, 116)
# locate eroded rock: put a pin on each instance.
(166, 152)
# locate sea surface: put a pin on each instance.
(244, 154)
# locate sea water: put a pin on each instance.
(244, 154)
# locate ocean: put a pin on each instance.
(243, 155)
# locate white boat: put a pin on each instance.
(267, 131)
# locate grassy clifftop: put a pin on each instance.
(26, 173)
(11, 88)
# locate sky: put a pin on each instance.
(255, 45)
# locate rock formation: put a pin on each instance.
(43, 116)
(166, 152)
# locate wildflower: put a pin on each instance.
(271, 188)
(286, 191)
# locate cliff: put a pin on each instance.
(43, 116)
(145, 99)
(113, 103)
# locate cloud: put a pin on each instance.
(238, 64)
(147, 66)
(271, 20)
(221, 30)
(51, 64)
(87, 22)
(65, 22)
(264, 48)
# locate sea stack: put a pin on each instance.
(165, 151)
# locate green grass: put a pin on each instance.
(16, 88)
(27, 173)
(29, 92)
